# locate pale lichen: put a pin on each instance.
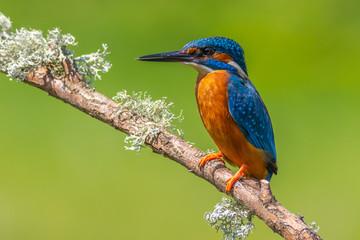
(313, 226)
(25, 50)
(231, 218)
(92, 64)
(156, 112)
(210, 150)
(5, 24)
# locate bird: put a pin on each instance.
(230, 107)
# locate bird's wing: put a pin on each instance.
(252, 117)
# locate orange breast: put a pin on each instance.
(212, 100)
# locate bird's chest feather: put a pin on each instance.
(212, 100)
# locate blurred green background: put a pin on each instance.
(65, 175)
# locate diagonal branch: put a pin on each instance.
(253, 194)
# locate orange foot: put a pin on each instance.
(233, 179)
(210, 157)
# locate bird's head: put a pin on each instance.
(207, 55)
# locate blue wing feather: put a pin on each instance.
(252, 117)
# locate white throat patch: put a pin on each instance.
(203, 70)
(240, 70)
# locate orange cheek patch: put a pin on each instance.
(224, 57)
(191, 50)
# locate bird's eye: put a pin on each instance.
(208, 51)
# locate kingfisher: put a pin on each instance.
(230, 107)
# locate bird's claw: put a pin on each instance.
(210, 157)
(239, 174)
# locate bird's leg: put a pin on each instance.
(233, 179)
(211, 156)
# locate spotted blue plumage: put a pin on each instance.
(252, 117)
(221, 44)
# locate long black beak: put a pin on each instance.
(175, 56)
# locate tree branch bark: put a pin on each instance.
(254, 194)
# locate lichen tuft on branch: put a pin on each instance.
(157, 112)
(25, 50)
(231, 218)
